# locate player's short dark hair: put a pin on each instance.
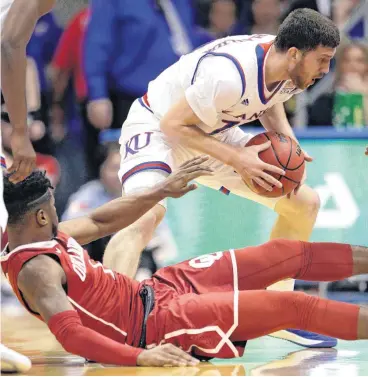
(25, 196)
(306, 29)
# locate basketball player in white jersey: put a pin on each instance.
(195, 107)
(18, 19)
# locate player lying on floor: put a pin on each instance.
(208, 306)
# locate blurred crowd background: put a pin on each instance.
(89, 60)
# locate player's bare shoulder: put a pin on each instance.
(40, 270)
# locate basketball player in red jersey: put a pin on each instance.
(207, 307)
(18, 19)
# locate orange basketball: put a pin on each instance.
(285, 153)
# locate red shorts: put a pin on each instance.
(194, 306)
(212, 304)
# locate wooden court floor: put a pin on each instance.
(263, 357)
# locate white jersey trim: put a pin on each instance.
(85, 311)
(4, 256)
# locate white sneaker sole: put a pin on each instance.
(13, 362)
(286, 335)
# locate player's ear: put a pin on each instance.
(42, 217)
(293, 54)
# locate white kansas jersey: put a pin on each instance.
(223, 82)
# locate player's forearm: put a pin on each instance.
(275, 120)
(121, 212)
(112, 216)
(15, 34)
(13, 78)
(82, 341)
(194, 138)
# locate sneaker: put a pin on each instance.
(306, 338)
(13, 362)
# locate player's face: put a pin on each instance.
(307, 67)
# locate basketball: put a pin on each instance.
(285, 153)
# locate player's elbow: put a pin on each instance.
(6, 48)
(10, 49)
(172, 130)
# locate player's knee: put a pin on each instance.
(151, 219)
(305, 204)
(296, 303)
(280, 245)
(157, 214)
(301, 305)
(310, 203)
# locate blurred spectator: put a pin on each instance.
(67, 64)
(266, 15)
(222, 17)
(108, 187)
(339, 11)
(259, 17)
(127, 44)
(322, 6)
(40, 51)
(347, 104)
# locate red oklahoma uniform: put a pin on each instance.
(209, 305)
(109, 302)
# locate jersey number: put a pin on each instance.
(205, 261)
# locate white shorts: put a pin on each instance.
(147, 158)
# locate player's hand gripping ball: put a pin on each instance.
(285, 153)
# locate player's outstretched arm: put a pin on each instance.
(119, 213)
(40, 282)
(15, 34)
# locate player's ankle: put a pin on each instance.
(363, 323)
(360, 260)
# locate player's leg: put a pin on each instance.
(145, 161)
(263, 312)
(213, 324)
(256, 267)
(116, 255)
(300, 210)
(297, 215)
(260, 266)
